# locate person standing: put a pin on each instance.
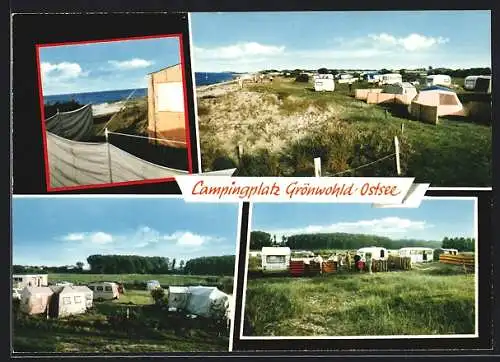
(369, 262)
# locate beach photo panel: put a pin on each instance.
(319, 276)
(397, 94)
(122, 274)
(114, 104)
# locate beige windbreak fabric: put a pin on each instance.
(75, 163)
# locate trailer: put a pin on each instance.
(390, 78)
(378, 253)
(438, 79)
(324, 83)
(275, 259)
(417, 254)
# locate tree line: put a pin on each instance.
(135, 264)
(461, 244)
(341, 241)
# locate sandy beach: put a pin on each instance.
(103, 109)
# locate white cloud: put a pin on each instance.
(389, 227)
(74, 237)
(372, 51)
(239, 51)
(412, 42)
(98, 237)
(187, 238)
(135, 63)
(61, 71)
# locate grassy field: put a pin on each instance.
(105, 328)
(432, 299)
(283, 125)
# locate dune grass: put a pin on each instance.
(284, 125)
(432, 300)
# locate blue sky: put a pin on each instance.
(433, 220)
(361, 40)
(94, 67)
(65, 230)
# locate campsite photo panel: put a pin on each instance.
(333, 277)
(102, 109)
(122, 274)
(396, 95)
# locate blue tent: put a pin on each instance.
(437, 87)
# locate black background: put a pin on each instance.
(489, 218)
(29, 30)
(485, 238)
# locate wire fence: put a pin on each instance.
(362, 166)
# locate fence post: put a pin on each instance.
(317, 167)
(109, 155)
(398, 164)
(402, 128)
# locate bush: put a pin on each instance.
(302, 78)
(158, 294)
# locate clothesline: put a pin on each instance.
(149, 138)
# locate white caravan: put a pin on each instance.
(390, 78)
(275, 259)
(324, 83)
(378, 253)
(438, 79)
(417, 254)
(105, 290)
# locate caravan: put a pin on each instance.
(324, 82)
(378, 253)
(105, 290)
(417, 254)
(438, 79)
(390, 78)
(275, 259)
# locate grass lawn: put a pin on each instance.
(432, 299)
(284, 125)
(149, 329)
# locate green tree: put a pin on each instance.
(79, 265)
(259, 239)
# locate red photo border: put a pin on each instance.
(44, 130)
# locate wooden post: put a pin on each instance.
(402, 128)
(396, 146)
(109, 155)
(240, 151)
(317, 167)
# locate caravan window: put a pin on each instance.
(18, 279)
(108, 289)
(382, 253)
(66, 300)
(99, 288)
(78, 299)
(275, 259)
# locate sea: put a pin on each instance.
(201, 79)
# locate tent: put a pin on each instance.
(166, 114)
(74, 125)
(67, 301)
(445, 99)
(89, 294)
(35, 300)
(208, 302)
(404, 88)
(178, 297)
